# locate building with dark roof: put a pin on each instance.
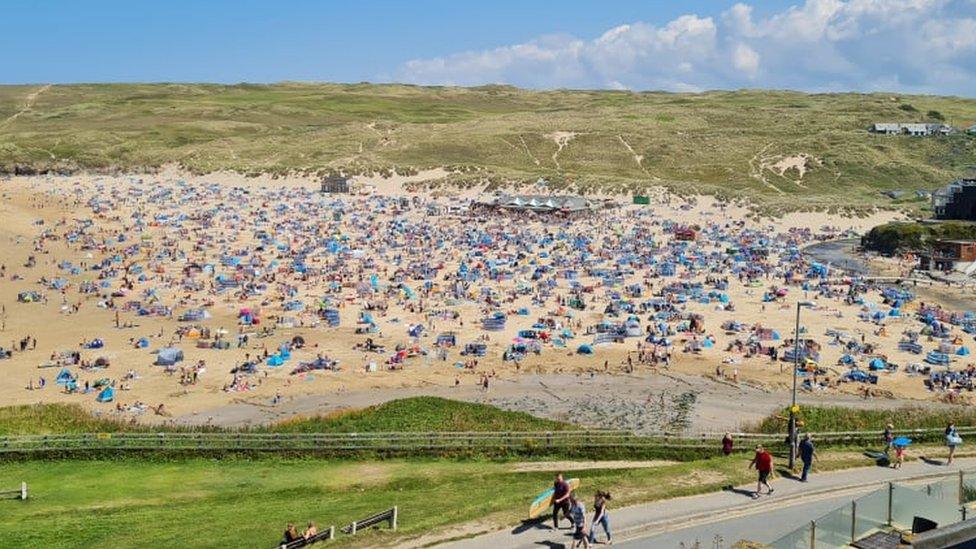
(335, 184)
(956, 200)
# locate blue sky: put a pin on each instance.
(690, 45)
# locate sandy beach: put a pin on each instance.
(259, 268)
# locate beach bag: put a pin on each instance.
(953, 439)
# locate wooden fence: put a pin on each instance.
(420, 443)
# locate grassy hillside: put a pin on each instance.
(719, 142)
(834, 419)
(421, 414)
(416, 414)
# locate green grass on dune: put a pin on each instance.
(711, 142)
(416, 414)
(837, 419)
(422, 414)
(891, 238)
(45, 419)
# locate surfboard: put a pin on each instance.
(544, 501)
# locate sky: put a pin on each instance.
(919, 46)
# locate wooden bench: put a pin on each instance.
(389, 516)
(324, 535)
(20, 494)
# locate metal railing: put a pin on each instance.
(418, 442)
(895, 507)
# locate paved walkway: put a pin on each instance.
(654, 519)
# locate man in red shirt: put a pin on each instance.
(763, 461)
(560, 500)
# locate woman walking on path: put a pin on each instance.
(952, 439)
(601, 517)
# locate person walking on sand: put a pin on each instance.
(952, 439)
(601, 517)
(807, 453)
(763, 462)
(560, 500)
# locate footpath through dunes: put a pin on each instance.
(807, 149)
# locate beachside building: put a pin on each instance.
(335, 184)
(971, 130)
(948, 255)
(544, 203)
(912, 129)
(955, 201)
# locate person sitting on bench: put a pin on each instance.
(311, 531)
(291, 534)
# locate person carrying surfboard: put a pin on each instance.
(560, 500)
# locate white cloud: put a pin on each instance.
(897, 45)
(745, 59)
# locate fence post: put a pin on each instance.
(393, 518)
(352, 532)
(813, 534)
(332, 532)
(853, 521)
(962, 497)
(891, 492)
(23, 491)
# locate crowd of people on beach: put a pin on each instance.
(391, 282)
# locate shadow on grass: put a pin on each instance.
(880, 458)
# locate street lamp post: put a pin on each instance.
(796, 364)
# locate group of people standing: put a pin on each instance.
(565, 501)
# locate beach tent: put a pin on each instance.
(584, 349)
(275, 360)
(169, 356)
(64, 377)
(876, 364)
(331, 317)
(963, 351)
(107, 395)
(143, 342)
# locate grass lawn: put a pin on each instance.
(246, 503)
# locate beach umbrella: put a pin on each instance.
(901, 441)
